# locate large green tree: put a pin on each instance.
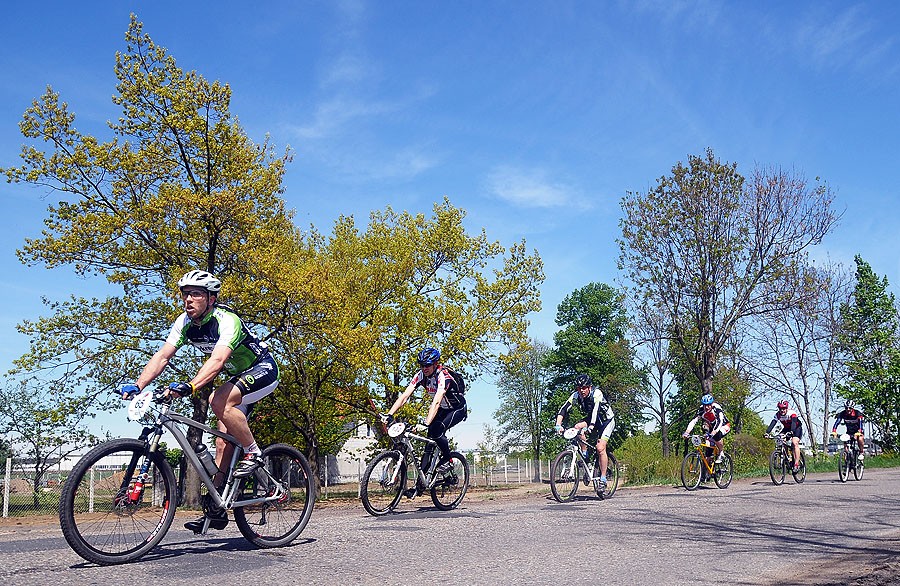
(870, 337)
(702, 244)
(382, 293)
(176, 185)
(593, 340)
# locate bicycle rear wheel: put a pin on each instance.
(691, 470)
(284, 473)
(723, 471)
(564, 476)
(843, 465)
(105, 515)
(382, 483)
(777, 466)
(800, 474)
(450, 489)
(612, 478)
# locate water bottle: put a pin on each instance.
(206, 459)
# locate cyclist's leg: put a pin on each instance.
(795, 442)
(719, 440)
(603, 438)
(233, 400)
(860, 440)
(443, 421)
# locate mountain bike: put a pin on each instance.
(700, 464)
(850, 458)
(571, 467)
(120, 498)
(386, 476)
(782, 460)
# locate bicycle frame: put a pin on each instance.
(701, 443)
(851, 445)
(166, 421)
(575, 447)
(403, 446)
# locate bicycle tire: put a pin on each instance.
(563, 482)
(382, 483)
(723, 472)
(691, 470)
(98, 517)
(777, 467)
(450, 490)
(277, 523)
(843, 466)
(612, 478)
(800, 474)
(859, 468)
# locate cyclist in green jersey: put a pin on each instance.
(231, 348)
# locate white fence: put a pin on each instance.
(486, 470)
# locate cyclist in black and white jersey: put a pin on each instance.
(598, 418)
(233, 349)
(448, 406)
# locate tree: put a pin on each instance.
(48, 427)
(593, 341)
(179, 185)
(795, 350)
(377, 297)
(869, 337)
(522, 387)
(704, 241)
(650, 330)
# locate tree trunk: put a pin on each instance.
(192, 482)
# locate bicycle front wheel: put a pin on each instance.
(564, 476)
(723, 471)
(109, 512)
(612, 478)
(285, 477)
(777, 466)
(843, 466)
(800, 474)
(382, 482)
(450, 489)
(691, 470)
(859, 468)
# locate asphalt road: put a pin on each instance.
(820, 532)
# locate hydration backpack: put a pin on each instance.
(457, 397)
(460, 382)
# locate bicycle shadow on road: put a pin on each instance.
(172, 549)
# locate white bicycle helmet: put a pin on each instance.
(200, 279)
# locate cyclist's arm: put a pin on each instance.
(598, 398)
(212, 367)
(564, 411)
(772, 425)
(406, 394)
(691, 425)
(156, 365)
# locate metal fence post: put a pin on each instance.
(6, 485)
(91, 497)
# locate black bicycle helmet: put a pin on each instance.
(582, 380)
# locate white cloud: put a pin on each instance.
(532, 189)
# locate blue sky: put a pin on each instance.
(536, 117)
